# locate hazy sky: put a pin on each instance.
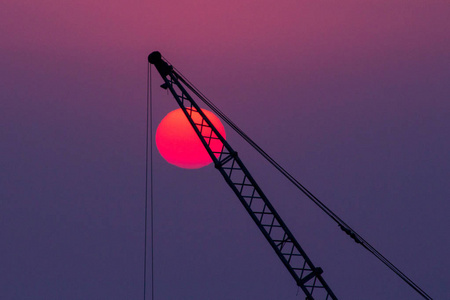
(351, 97)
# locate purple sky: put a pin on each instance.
(352, 97)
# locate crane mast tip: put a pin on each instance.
(163, 67)
(154, 57)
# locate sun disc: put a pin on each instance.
(178, 143)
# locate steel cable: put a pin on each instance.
(344, 226)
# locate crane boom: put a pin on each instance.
(306, 275)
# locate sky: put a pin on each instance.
(351, 97)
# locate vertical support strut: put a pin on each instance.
(306, 275)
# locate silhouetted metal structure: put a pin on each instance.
(307, 276)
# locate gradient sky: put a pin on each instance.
(352, 97)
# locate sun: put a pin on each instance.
(178, 143)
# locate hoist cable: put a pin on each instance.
(151, 190)
(149, 157)
(146, 183)
(344, 226)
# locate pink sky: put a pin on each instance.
(352, 97)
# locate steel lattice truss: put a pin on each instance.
(306, 275)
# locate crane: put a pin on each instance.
(306, 275)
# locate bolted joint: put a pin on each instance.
(316, 272)
(231, 156)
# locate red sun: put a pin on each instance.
(178, 143)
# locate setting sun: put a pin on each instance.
(178, 143)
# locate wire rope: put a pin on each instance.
(149, 157)
(151, 190)
(344, 226)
